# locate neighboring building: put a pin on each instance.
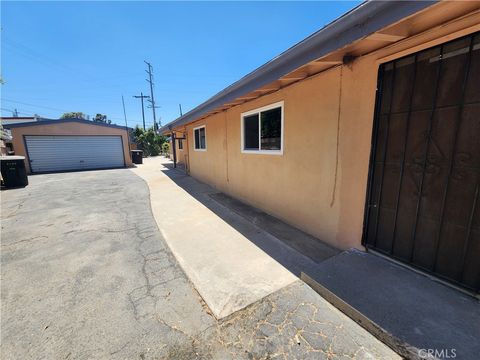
(70, 144)
(18, 119)
(5, 140)
(309, 139)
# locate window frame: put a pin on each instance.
(195, 139)
(279, 104)
(180, 144)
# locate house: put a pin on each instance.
(365, 135)
(5, 139)
(8, 120)
(70, 144)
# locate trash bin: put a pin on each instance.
(13, 171)
(137, 156)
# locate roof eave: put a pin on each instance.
(364, 20)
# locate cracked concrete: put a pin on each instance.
(86, 274)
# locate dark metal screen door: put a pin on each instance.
(423, 204)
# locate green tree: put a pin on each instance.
(73, 115)
(148, 141)
(166, 148)
(102, 118)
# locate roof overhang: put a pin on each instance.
(367, 18)
(62, 121)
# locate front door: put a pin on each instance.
(423, 203)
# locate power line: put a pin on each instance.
(47, 107)
(37, 106)
(13, 111)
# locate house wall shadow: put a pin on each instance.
(291, 247)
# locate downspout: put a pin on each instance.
(174, 150)
(226, 146)
(187, 162)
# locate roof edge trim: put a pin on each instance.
(361, 21)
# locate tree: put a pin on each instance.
(148, 141)
(73, 115)
(102, 118)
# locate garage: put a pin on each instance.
(77, 152)
(422, 202)
(70, 145)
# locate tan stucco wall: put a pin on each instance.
(71, 128)
(298, 186)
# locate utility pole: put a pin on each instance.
(141, 97)
(126, 126)
(152, 99)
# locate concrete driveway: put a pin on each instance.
(86, 274)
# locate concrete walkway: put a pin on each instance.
(216, 251)
(407, 310)
(86, 274)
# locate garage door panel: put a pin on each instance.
(64, 153)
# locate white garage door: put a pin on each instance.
(64, 153)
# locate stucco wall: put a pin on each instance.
(300, 186)
(63, 128)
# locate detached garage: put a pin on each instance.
(70, 145)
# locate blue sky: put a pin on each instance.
(82, 56)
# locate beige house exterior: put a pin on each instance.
(319, 180)
(65, 128)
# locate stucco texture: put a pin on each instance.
(319, 182)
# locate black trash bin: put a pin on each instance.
(13, 170)
(137, 156)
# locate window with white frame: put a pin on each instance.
(262, 130)
(200, 138)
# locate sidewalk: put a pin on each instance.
(221, 252)
(227, 269)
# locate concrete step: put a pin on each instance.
(410, 312)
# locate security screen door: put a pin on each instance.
(423, 203)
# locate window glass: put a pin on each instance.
(197, 138)
(250, 131)
(180, 144)
(271, 129)
(200, 139)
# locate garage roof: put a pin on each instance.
(62, 121)
(363, 20)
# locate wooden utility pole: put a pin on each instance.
(141, 97)
(126, 126)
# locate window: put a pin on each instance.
(200, 138)
(262, 130)
(180, 144)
